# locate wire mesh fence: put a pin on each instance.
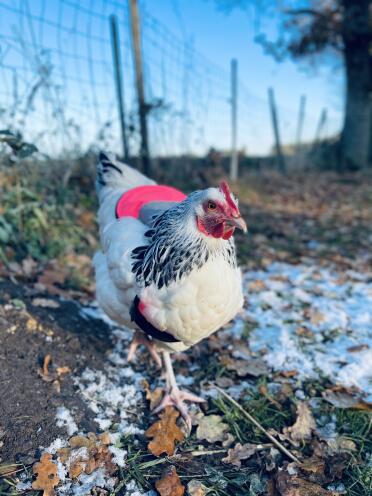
(57, 85)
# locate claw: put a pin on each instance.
(140, 338)
(176, 397)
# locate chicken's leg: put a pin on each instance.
(174, 396)
(140, 338)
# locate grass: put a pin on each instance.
(357, 426)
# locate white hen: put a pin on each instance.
(168, 267)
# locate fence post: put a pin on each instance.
(142, 106)
(119, 83)
(300, 122)
(274, 118)
(321, 123)
(234, 121)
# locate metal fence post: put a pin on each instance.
(234, 121)
(115, 44)
(274, 118)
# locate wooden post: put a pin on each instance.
(321, 123)
(274, 118)
(119, 83)
(234, 121)
(300, 122)
(142, 106)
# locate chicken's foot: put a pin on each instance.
(174, 396)
(140, 338)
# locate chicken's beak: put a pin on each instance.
(238, 222)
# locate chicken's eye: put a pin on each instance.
(211, 206)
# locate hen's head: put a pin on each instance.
(217, 212)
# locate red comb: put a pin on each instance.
(224, 187)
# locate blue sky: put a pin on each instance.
(221, 36)
(72, 38)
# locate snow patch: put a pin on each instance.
(65, 419)
(336, 310)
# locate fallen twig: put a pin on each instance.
(259, 426)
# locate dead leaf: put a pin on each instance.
(45, 303)
(263, 390)
(344, 398)
(86, 454)
(154, 397)
(170, 484)
(211, 428)
(9, 469)
(31, 324)
(63, 370)
(255, 367)
(304, 425)
(46, 363)
(256, 286)
(52, 278)
(359, 347)
(29, 266)
(289, 373)
(52, 376)
(316, 317)
(196, 488)
(165, 432)
(240, 452)
(47, 475)
(305, 332)
(292, 485)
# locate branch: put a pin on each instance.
(299, 12)
(259, 426)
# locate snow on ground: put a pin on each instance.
(312, 320)
(304, 318)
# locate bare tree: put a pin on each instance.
(341, 27)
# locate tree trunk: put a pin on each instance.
(356, 133)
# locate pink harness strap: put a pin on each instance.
(131, 202)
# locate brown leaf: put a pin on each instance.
(252, 366)
(52, 278)
(289, 373)
(46, 363)
(305, 332)
(359, 347)
(47, 475)
(344, 398)
(52, 376)
(164, 433)
(316, 317)
(256, 286)
(154, 397)
(304, 425)
(170, 484)
(240, 452)
(292, 485)
(86, 454)
(263, 390)
(9, 468)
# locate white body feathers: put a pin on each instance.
(193, 305)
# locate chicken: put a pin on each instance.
(168, 267)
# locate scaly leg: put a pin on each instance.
(174, 396)
(140, 338)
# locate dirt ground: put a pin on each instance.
(28, 403)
